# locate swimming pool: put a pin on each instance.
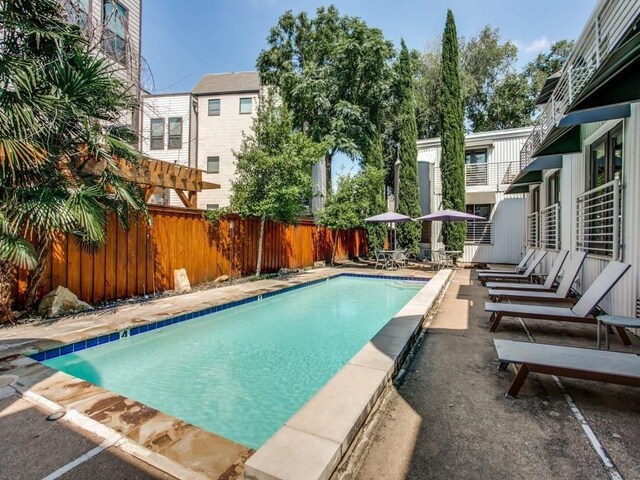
(244, 371)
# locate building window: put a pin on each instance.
(605, 159)
(246, 105)
(475, 169)
(533, 219)
(213, 164)
(480, 232)
(214, 107)
(553, 188)
(115, 30)
(175, 133)
(213, 206)
(157, 134)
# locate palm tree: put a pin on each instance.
(60, 107)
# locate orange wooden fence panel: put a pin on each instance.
(142, 260)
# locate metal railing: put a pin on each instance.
(604, 29)
(480, 232)
(599, 220)
(533, 230)
(550, 227)
(491, 174)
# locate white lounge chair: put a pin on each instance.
(521, 267)
(547, 286)
(515, 277)
(581, 312)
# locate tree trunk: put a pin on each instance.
(34, 281)
(335, 245)
(6, 285)
(260, 239)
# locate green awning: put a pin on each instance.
(559, 141)
(616, 81)
(532, 173)
(599, 114)
(513, 189)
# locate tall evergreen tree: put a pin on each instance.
(409, 195)
(452, 128)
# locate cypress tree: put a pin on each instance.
(376, 232)
(452, 131)
(409, 234)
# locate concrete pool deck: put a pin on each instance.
(128, 432)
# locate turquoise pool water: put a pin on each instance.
(242, 372)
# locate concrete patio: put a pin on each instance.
(449, 418)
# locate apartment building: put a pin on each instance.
(115, 28)
(226, 106)
(491, 164)
(580, 166)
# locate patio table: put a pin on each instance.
(452, 255)
(615, 321)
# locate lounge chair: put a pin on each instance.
(547, 286)
(515, 277)
(581, 312)
(521, 267)
(560, 295)
(583, 363)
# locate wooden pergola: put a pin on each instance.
(152, 174)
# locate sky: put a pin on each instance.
(183, 40)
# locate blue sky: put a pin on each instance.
(184, 40)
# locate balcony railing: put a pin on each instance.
(497, 175)
(533, 230)
(480, 232)
(599, 220)
(550, 227)
(604, 29)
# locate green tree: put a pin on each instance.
(59, 103)
(452, 128)
(273, 168)
(409, 195)
(353, 201)
(546, 64)
(332, 72)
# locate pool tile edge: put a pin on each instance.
(275, 459)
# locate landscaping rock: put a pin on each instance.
(221, 278)
(319, 264)
(61, 301)
(287, 271)
(181, 281)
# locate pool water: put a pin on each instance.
(243, 372)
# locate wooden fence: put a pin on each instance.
(141, 260)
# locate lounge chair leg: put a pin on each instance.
(495, 321)
(622, 333)
(503, 366)
(517, 382)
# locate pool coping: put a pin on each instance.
(44, 389)
(313, 442)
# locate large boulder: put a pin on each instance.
(61, 301)
(181, 282)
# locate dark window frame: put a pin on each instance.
(209, 103)
(473, 153)
(486, 237)
(112, 36)
(174, 137)
(553, 188)
(155, 138)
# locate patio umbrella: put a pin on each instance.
(389, 217)
(449, 216)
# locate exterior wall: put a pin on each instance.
(220, 136)
(508, 213)
(622, 299)
(165, 107)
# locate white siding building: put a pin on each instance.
(580, 168)
(227, 104)
(169, 133)
(491, 164)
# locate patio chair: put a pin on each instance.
(447, 260)
(520, 268)
(581, 312)
(381, 259)
(515, 277)
(583, 363)
(399, 258)
(560, 295)
(547, 286)
(436, 260)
